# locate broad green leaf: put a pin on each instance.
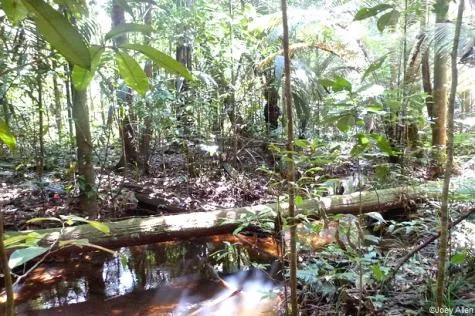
(340, 84)
(362, 139)
(327, 83)
(128, 28)
(71, 219)
(383, 144)
(5, 136)
(458, 258)
(374, 66)
(375, 109)
(302, 143)
(345, 122)
(298, 200)
(21, 256)
(26, 240)
(82, 76)
(388, 19)
(161, 59)
(57, 30)
(15, 10)
(365, 13)
(132, 73)
(377, 272)
(104, 228)
(358, 149)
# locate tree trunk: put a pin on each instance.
(7, 277)
(69, 103)
(87, 185)
(291, 167)
(441, 81)
(57, 105)
(137, 231)
(444, 210)
(144, 146)
(130, 154)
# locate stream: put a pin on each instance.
(206, 276)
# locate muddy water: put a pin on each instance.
(171, 278)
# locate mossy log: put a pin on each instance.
(137, 231)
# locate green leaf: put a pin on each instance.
(340, 84)
(378, 109)
(383, 144)
(82, 76)
(377, 272)
(161, 59)
(298, 200)
(71, 219)
(345, 122)
(42, 219)
(374, 66)
(57, 30)
(15, 10)
(365, 13)
(132, 73)
(458, 258)
(388, 19)
(302, 143)
(128, 28)
(21, 256)
(5, 136)
(104, 228)
(362, 139)
(358, 149)
(382, 172)
(26, 240)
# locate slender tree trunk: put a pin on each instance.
(7, 277)
(41, 153)
(444, 211)
(290, 158)
(130, 154)
(57, 105)
(87, 186)
(69, 102)
(441, 81)
(144, 146)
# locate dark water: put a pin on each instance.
(170, 278)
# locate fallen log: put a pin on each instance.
(136, 231)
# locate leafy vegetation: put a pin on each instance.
(208, 112)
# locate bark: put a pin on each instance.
(144, 146)
(130, 154)
(87, 186)
(137, 231)
(444, 210)
(7, 277)
(441, 69)
(57, 105)
(69, 102)
(291, 167)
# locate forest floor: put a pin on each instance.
(326, 279)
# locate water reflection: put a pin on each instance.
(170, 278)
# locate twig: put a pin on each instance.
(429, 240)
